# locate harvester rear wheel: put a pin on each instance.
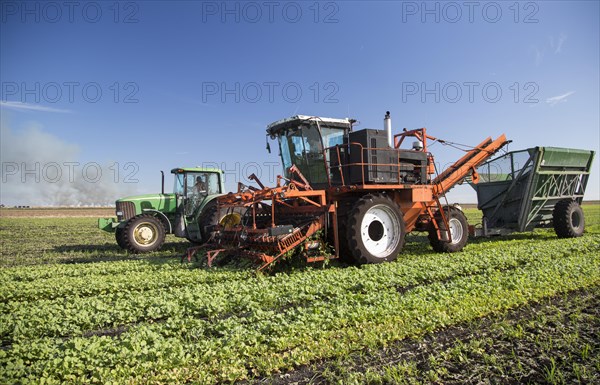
(459, 230)
(375, 230)
(568, 219)
(143, 234)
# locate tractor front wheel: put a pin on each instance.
(143, 234)
(459, 231)
(119, 236)
(568, 219)
(375, 230)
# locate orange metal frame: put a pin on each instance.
(295, 197)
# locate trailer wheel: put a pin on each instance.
(143, 234)
(119, 236)
(568, 219)
(459, 230)
(375, 230)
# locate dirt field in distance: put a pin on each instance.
(66, 212)
(57, 212)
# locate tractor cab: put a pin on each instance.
(142, 221)
(192, 186)
(306, 142)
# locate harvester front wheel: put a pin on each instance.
(459, 231)
(568, 219)
(143, 234)
(375, 230)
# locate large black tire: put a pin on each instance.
(143, 234)
(194, 241)
(459, 228)
(375, 230)
(344, 207)
(568, 219)
(119, 232)
(210, 216)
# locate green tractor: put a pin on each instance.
(189, 212)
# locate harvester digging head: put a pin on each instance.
(276, 221)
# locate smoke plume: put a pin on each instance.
(41, 169)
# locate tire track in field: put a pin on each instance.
(419, 352)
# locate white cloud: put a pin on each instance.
(559, 99)
(559, 44)
(20, 106)
(551, 46)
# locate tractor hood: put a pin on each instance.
(162, 202)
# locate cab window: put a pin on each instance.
(178, 186)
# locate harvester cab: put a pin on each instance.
(302, 143)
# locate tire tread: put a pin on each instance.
(131, 245)
(353, 221)
(561, 219)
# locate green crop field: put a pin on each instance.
(76, 309)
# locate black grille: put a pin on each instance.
(127, 209)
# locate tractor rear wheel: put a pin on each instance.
(459, 231)
(568, 219)
(210, 216)
(143, 234)
(375, 230)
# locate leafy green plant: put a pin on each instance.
(154, 319)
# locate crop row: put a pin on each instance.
(30, 283)
(106, 278)
(264, 340)
(77, 315)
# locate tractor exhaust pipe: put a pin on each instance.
(162, 182)
(387, 125)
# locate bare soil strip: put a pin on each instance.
(553, 341)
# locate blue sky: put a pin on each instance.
(138, 87)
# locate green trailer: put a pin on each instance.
(536, 187)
